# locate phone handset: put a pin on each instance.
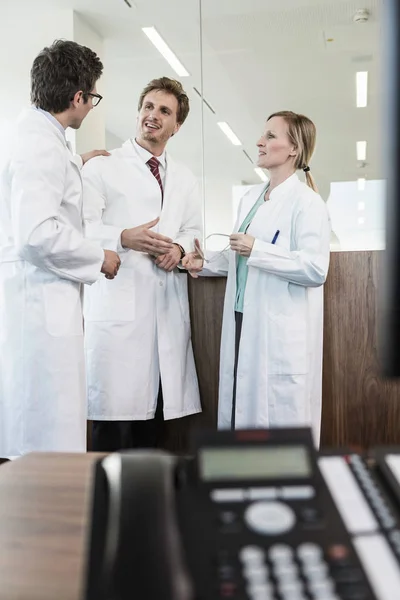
(143, 556)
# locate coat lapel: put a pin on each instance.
(170, 180)
(272, 215)
(73, 159)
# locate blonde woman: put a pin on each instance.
(271, 347)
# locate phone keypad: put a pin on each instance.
(283, 572)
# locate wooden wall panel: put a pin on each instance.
(206, 297)
(360, 407)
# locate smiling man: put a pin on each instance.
(143, 204)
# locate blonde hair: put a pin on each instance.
(303, 134)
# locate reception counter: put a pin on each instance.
(360, 408)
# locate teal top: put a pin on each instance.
(241, 264)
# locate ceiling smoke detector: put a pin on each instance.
(361, 15)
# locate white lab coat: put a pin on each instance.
(279, 378)
(44, 259)
(137, 325)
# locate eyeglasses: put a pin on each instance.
(96, 98)
(218, 254)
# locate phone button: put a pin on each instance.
(263, 493)
(228, 495)
(298, 492)
(270, 518)
(252, 555)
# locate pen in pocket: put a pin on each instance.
(275, 237)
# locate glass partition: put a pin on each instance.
(126, 36)
(241, 61)
(321, 58)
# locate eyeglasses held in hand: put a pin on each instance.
(218, 254)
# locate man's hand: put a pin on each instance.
(111, 264)
(242, 243)
(193, 261)
(142, 239)
(92, 154)
(170, 260)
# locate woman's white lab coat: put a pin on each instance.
(279, 377)
(138, 325)
(44, 259)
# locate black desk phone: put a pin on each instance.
(254, 515)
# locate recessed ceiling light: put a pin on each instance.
(361, 184)
(361, 220)
(362, 88)
(361, 206)
(165, 50)
(261, 174)
(232, 137)
(361, 150)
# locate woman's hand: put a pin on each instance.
(193, 263)
(242, 243)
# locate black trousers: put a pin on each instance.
(238, 333)
(112, 436)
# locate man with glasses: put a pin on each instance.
(96, 98)
(45, 259)
(145, 205)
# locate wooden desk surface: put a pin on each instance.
(43, 513)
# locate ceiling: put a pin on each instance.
(258, 56)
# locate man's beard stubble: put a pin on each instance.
(149, 137)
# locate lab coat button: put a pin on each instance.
(160, 284)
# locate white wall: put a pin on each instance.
(35, 31)
(22, 38)
(92, 134)
(218, 209)
(113, 141)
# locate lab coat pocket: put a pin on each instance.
(111, 300)
(287, 345)
(63, 308)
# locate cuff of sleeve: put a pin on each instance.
(120, 247)
(181, 248)
(97, 274)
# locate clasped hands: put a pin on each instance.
(193, 262)
(162, 249)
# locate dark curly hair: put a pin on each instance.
(170, 86)
(60, 71)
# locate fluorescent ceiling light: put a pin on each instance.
(361, 184)
(165, 50)
(361, 206)
(229, 133)
(261, 174)
(361, 150)
(361, 220)
(362, 88)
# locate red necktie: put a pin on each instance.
(154, 164)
